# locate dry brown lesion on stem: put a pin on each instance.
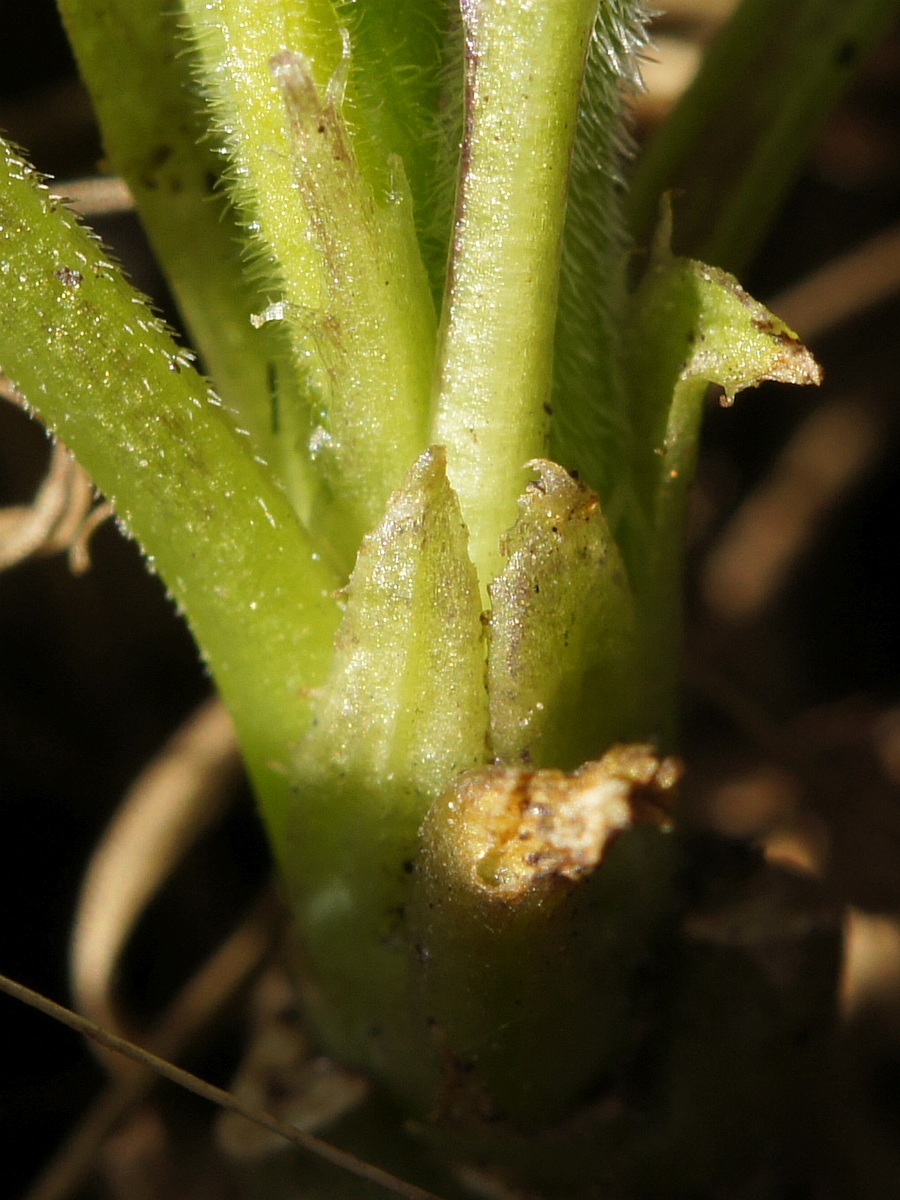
(539, 899)
(514, 829)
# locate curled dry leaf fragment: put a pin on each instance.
(518, 829)
(61, 517)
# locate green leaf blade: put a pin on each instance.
(561, 666)
(340, 251)
(404, 711)
(691, 326)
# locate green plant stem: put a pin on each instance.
(591, 431)
(106, 376)
(690, 326)
(338, 244)
(523, 76)
(156, 137)
(402, 714)
(537, 899)
(738, 136)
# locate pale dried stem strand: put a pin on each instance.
(176, 797)
(297, 1137)
(205, 994)
(60, 518)
(778, 522)
(844, 287)
(98, 196)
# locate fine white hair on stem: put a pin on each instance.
(590, 426)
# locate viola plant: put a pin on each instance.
(423, 510)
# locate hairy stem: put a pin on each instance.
(155, 136)
(336, 239)
(591, 431)
(104, 374)
(524, 64)
(403, 712)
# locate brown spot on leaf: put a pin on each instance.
(68, 276)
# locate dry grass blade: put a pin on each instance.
(96, 197)
(680, 33)
(60, 518)
(200, 1000)
(844, 287)
(304, 1141)
(281, 1072)
(776, 524)
(666, 73)
(174, 799)
(871, 978)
